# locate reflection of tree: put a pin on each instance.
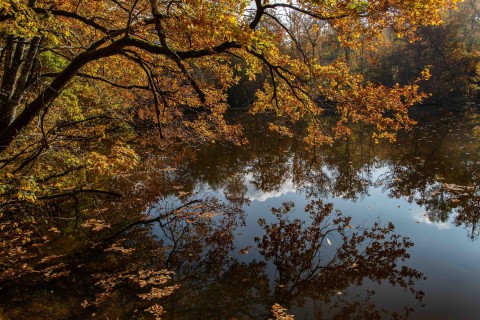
(349, 179)
(436, 166)
(342, 170)
(235, 189)
(436, 201)
(307, 268)
(270, 160)
(416, 166)
(468, 213)
(441, 200)
(124, 270)
(199, 246)
(270, 167)
(309, 175)
(360, 308)
(465, 201)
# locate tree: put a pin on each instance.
(79, 72)
(80, 78)
(452, 50)
(156, 49)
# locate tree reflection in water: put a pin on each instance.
(441, 151)
(314, 258)
(116, 258)
(180, 257)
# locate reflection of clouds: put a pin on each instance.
(420, 216)
(254, 194)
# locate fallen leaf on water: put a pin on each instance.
(244, 250)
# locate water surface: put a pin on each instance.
(425, 184)
(357, 230)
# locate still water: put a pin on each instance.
(345, 261)
(357, 230)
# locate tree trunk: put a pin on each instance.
(32, 109)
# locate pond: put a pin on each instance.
(357, 230)
(426, 184)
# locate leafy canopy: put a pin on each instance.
(80, 78)
(175, 55)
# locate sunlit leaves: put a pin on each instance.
(24, 22)
(280, 313)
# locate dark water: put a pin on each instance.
(426, 184)
(358, 230)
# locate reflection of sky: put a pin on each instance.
(447, 258)
(420, 217)
(254, 194)
(418, 214)
(442, 252)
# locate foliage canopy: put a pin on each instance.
(164, 57)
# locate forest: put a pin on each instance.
(107, 106)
